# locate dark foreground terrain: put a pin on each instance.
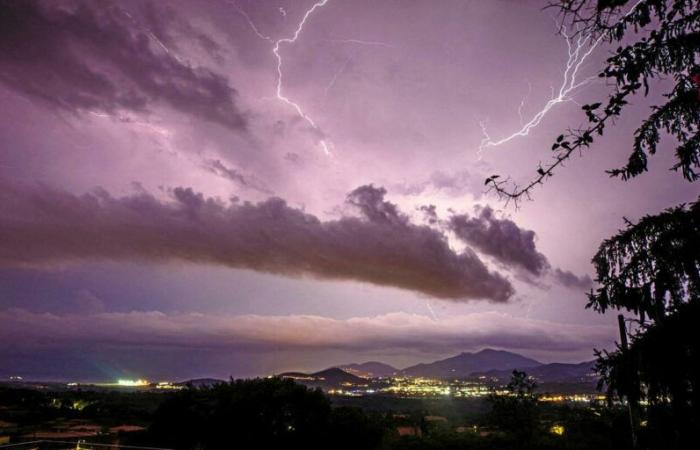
(279, 413)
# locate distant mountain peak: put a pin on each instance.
(466, 363)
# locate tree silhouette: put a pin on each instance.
(259, 414)
(517, 413)
(652, 269)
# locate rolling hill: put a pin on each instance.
(370, 369)
(325, 378)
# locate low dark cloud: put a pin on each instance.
(370, 201)
(571, 280)
(511, 246)
(86, 56)
(43, 226)
(501, 239)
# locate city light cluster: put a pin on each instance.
(408, 387)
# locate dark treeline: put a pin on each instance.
(278, 413)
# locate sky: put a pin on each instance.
(239, 188)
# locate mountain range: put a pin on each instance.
(490, 363)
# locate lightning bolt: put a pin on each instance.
(324, 143)
(430, 308)
(337, 74)
(276, 50)
(523, 101)
(578, 52)
(349, 59)
(252, 25)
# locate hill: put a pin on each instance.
(370, 369)
(332, 377)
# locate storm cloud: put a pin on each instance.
(571, 280)
(84, 57)
(501, 239)
(46, 226)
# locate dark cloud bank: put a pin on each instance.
(510, 245)
(501, 238)
(96, 56)
(43, 226)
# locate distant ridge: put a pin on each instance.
(552, 373)
(487, 362)
(370, 369)
(465, 364)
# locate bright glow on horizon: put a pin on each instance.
(132, 383)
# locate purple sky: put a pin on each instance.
(165, 213)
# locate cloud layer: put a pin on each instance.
(395, 331)
(45, 226)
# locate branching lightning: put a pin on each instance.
(337, 74)
(524, 100)
(578, 49)
(252, 25)
(345, 64)
(282, 97)
(324, 143)
(578, 53)
(430, 308)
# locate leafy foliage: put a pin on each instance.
(651, 267)
(517, 413)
